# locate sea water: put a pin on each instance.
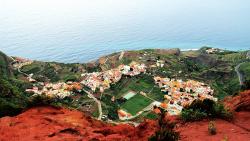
(83, 30)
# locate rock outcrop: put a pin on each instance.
(50, 124)
(240, 102)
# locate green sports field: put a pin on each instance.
(136, 104)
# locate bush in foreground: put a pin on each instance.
(166, 130)
(199, 110)
(212, 128)
(192, 115)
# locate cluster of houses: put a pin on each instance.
(179, 94)
(213, 50)
(103, 80)
(159, 63)
(123, 115)
(58, 90)
(95, 80)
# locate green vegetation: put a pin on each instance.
(4, 65)
(33, 68)
(12, 98)
(70, 77)
(109, 107)
(151, 115)
(199, 110)
(166, 130)
(192, 115)
(225, 88)
(217, 70)
(245, 70)
(141, 83)
(234, 57)
(136, 104)
(50, 71)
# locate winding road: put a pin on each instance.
(240, 76)
(18, 68)
(98, 103)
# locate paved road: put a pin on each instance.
(241, 80)
(240, 76)
(98, 103)
(18, 69)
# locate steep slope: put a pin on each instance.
(12, 99)
(50, 123)
(4, 65)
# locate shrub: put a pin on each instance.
(12, 101)
(192, 115)
(221, 112)
(165, 135)
(70, 78)
(199, 110)
(39, 100)
(166, 130)
(212, 128)
(8, 108)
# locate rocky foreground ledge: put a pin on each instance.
(51, 124)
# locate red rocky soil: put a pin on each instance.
(59, 124)
(237, 130)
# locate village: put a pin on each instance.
(57, 90)
(102, 80)
(177, 93)
(94, 81)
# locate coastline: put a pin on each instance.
(96, 58)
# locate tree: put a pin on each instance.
(166, 130)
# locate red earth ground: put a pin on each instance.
(239, 130)
(60, 124)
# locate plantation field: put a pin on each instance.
(136, 104)
(144, 83)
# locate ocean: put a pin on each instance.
(72, 31)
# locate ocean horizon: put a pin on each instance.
(83, 30)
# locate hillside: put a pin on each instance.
(43, 92)
(4, 65)
(12, 97)
(216, 70)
